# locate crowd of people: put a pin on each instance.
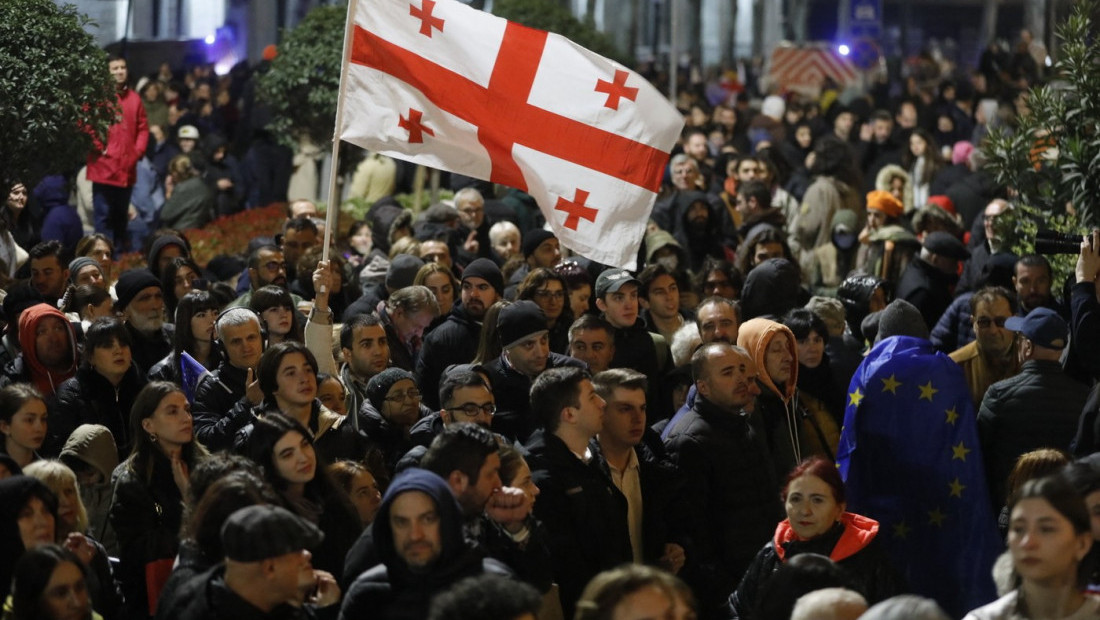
(452, 417)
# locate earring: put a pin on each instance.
(152, 438)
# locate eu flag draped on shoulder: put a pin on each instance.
(445, 85)
(910, 459)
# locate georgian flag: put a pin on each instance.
(448, 86)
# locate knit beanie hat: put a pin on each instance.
(79, 263)
(132, 282)
(885, 202)
(380, 384)
(533, 239)
(486, 270)
(519, 320)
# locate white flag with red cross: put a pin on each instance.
(444, 85)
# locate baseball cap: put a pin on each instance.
(611, 280)
(1042, 326)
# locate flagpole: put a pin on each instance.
(333, 199)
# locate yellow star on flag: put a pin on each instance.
(936, 517)
(890, 384)
(927, 391)
(855, 397)
(956, 488)
(901, 530)
(960, 451)
(952, 416)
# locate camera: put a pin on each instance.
(1051, 242)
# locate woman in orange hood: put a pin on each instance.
(818, 522)
(792, 433)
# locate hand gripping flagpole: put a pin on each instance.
(332, 214)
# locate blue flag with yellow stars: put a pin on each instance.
(910, 459)
(192, 371)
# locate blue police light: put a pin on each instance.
(844, 49)
(210, 38)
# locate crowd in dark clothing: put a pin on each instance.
(452, 399)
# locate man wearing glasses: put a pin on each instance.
(465, 397)
(392, 407)
(266, 265)
(992, 355)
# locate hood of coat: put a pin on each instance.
(92, 444)
(754, 336)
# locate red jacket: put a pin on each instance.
(126, 142)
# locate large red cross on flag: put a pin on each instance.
(444, 85)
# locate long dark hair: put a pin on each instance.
(32, 574)
(271, 296)
(538, 278)
(184, 339)
(144, 450)
(168, 280)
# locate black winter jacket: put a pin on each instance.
(730, 480)
(851, 543)
(453, 342)
(1038, 408)
(583, 512)
(89, 398)
(512, 394)
(221, 408)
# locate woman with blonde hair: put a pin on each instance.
(70, 531)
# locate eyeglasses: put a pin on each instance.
(985, 321)
(470, 410)
(545, 294)
(401, 397)
(274, 266)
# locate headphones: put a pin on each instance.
(216, 344)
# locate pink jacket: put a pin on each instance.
(126, 142)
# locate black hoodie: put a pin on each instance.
(391, 590)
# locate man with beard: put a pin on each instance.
(717, 320)
(1032, 280)
(266, 265)
(419, 538)
(49, 354)
(455, 340)
(497, 517)
(48, 275)
(141, 305)
(525, 353)
(698, 230)
(465, 396)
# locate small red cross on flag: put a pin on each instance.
(519, 107)
(616, 89)
(576, 209)
(415, 128)
(427, 20)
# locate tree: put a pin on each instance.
(302, 86)
(1052, 158)
(55, 89)
(551, 16)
